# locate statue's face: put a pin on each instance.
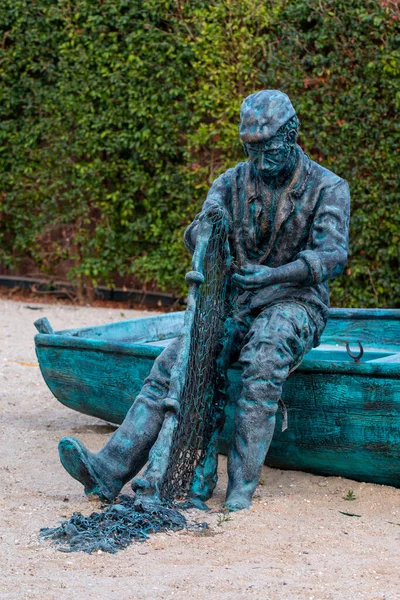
(271, 156)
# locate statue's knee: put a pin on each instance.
(262, 384)
(258, 406)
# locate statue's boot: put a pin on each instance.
(254, 428)
(104, 474)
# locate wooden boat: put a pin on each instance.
(343, 416)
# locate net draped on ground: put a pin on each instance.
(201, 407)
(115, 528)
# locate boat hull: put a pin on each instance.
(344, 418)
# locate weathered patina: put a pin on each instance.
(288, 236)
(343, 416)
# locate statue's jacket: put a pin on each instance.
(307, 218)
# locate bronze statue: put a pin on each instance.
(288, 235)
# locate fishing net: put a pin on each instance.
(115, 528)
(201, 404)
(200, 382)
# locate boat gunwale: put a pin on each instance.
(356, 314)
(381, 369)
(387, 314)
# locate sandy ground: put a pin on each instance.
(293, 544)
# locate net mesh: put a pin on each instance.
(116, 527)
(124, 522)
(200, 404)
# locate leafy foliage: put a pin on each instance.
(117, 115)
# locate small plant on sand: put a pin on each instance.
(350, 496)
(223, 517)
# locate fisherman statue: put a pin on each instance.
(290, 219)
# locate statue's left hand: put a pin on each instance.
(254, 277)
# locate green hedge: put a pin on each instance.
(116, 115)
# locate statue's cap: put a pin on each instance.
(263, 113)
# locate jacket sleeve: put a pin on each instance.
(327, 246)
(218, 196)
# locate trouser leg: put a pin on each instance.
(274, 345)
(127, 450)
(129, 446)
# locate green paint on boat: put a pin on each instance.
(344, 417)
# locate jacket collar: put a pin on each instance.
(300, 175)
(290, 193)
